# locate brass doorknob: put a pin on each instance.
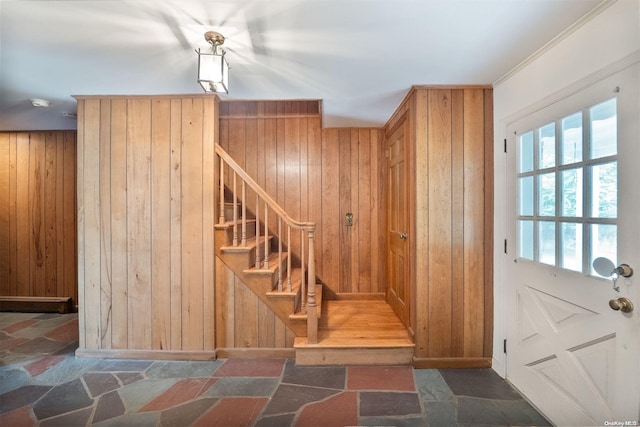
(623, 304)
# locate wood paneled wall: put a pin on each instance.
(38, 214)
(243, 320)
(145, 222)
(316, 175)
(453, 196)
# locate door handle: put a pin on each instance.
(404, 236)
(623, 304)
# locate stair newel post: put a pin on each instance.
(244, 214)
(266, 236)
(235, 210)
(221, 219)
(303, 288)
(257, 231)
(289, 258)
(279, 254)
(312, 314)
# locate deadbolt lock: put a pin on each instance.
(623, 304)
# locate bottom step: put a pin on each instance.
(357, 332)
(318, 355)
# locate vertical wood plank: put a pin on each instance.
(175, 206)
(161, 223)
(314, 166)
(82, 123)
(246, 316)
(210, 112)
(192, 262)
(5, 215)
(331, 209)
(344, 197)
(37, 279)
(119, 237)
(439, 190)
(266, 326)
(354, 280)
(91, 198)
(457, 221)
(365, 209)
(271, 157)
(488, 222)
(377, 222)
(49, 215)
(106, 272)
(474, 222)
(291, 177)
(71, 240)
(139, 222)
(60, 286)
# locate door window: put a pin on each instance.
(567, 204)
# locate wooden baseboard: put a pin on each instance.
(358, 297)
(256, 353)
(147, 354)
(452, 362)
(60, 305)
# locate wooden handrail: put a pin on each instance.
(308, 226)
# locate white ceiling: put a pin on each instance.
(359, 56)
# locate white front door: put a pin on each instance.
(573, 188)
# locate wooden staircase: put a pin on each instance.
(363, 332)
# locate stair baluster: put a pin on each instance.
(279, 255)
(258, 260)
(235, 210)
(244, 214)
(221, 219)
(303, 287)
(289, 258)
(266, 236)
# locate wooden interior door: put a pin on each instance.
(398, 279)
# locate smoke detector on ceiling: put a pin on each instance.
(37, 102)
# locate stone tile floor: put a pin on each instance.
(43, 383)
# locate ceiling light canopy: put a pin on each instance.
(213, 68)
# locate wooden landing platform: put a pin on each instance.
(357, 332)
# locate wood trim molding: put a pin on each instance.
(256, 353)
(452, 362)
(147, 354)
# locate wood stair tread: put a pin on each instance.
(303, 316)
(274, 264)
(252, 243)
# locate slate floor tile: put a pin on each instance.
(122, 365)
(62, 399)
(315, 376)
(339, 410)
(431, 386)
(77, 418)
(473, 411)
(179, 393)
(182, 369)
(143, 419)
(373, 404)
(284, 420)
(380, 378)
(289, 398)
(109, 406)
(18, 326)
(250, 368)
(243, 386)
(184, 415)
(38, 345)
(138, 394)
(398, 422)
(441, 413)
(11, 379)
(68, 369)
(233, 411)
(22, 396)
(520, 413)
(100, 382)
(65, 333)
(39, 366)
(17, 417)
(129, 377)
(482, 383)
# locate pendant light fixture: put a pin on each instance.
(213, 68)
